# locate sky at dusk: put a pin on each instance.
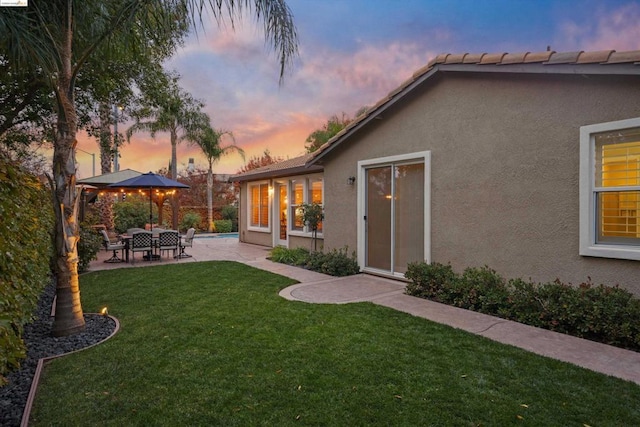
(351, 54)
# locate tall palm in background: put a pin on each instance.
(59, 37)
(208, 139)
(168, 108)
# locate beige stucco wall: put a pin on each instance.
(504, 170)
(246, 235)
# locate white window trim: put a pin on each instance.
(305, 191)
(424, 156)
(588, 217)
(250, 205)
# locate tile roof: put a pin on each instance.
(284, 168)
(596, 62)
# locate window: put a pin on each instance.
(259, 206)
(315, 195)
(304, 190)
(297, 199)
(610, 190)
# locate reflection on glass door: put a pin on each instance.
(378, 215)
(408, 215)
(282, 214)
(394, 216)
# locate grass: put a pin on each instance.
(213, 344)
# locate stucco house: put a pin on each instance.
(528, 163)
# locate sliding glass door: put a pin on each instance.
(394, 216)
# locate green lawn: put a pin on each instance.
(213, 344)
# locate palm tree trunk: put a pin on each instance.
(104, 139)
(105, 203)
(69, 318)
(175, 202)
(210, 198)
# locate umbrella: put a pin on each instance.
(150, 181)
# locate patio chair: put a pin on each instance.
(187, 242)
(141, 241)
(130, 231)
(109, 246)
(168, 240)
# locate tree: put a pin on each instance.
(208, 139)
(59, 37)
(319, 137)
(169, 109)
(26, 108)
(256, 162)
(312, 216)
(330, 129)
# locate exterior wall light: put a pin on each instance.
(351, 180)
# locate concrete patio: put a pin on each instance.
(320, 288)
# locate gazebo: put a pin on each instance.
(91, 187)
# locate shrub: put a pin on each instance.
(132, 213)
(481, 289)
(335, 263)
(88, 246)
(25, 239)
(600, 313)
(190, 220)
(230, 212)
(430, 280)
(222, 225)
(296, 256)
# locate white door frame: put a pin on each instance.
(276, 214)
(422, 156)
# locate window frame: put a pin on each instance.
(306, 198)
(259, 228)
(589, 245)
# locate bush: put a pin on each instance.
(27, 247)
(222, 225)
(132, 213)
(430, 280)
(88, 246)
(190, 220)
(335, 263)
(600, 313)
(230, 212)
(483, 290)
(296, 256)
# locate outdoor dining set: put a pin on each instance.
(152, 244)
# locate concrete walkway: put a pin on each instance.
(320, 288)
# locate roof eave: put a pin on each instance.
(526, 68)
(398, 95)
(544, 68)
(299, 170)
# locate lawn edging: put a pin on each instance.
(26, 414)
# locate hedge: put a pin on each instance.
(606, 314)
(25, 239)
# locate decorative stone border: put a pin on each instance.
(36, 376)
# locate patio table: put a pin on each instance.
(126, 238)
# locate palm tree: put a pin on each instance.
(208, 139)
(168, 108)
(59, 37)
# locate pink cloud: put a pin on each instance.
(618, 29)
(233, 73)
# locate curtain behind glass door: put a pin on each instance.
(408, 215)
(378, 224)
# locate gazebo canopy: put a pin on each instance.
(104, 180)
